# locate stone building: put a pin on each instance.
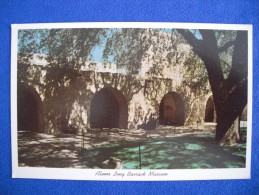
(63, 100)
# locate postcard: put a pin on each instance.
(131, 101)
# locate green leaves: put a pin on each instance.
(63, 47)
(133, 49)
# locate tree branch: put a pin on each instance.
(239, 58)
(226, 46)
(192, 40)
(209, 40)
(207, 50)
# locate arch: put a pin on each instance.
(109, 109)
(171, 110)
(210, 111)
(30, 109)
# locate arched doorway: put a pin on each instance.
(30, 113)
(210, 111)
(171, 110)
(109, 109)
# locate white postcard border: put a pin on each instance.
(118, 174)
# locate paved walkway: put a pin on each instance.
(96, 137)
(82, 151)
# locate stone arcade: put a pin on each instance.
(55, 100)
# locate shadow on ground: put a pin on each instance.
(145, 151)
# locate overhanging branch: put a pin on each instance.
(191, 39)
(207, 50)
(226, 46)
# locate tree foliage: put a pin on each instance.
(63, 47)
(128, 47)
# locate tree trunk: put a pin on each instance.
(229, 95)
(232, 136)
(229, 105)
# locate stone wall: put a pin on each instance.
(66, 99)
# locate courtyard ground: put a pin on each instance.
(164, 148)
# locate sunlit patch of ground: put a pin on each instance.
(186, 152)
(165, 148)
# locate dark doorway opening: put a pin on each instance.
(210, 111)
(171, 110)
(30, 115)
(109, 109)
